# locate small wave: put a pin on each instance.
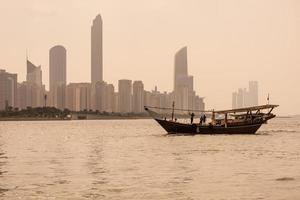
(267, 132)
(263, 133)
(285, 179)
(3, 190)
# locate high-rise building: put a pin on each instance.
(100, 96)
(97, 65)
(8, 90)
(78, 96)
(110, 98)
(184, 94)
(125, 96)
(244, 97)
(34, 74)
(253, 93)
(138, 97)
(57, 75)
(240, 98)
(96, 51)
(234, 100)
(116, 103)
(181, 68)
(30, 95)
(31, 91)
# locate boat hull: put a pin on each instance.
(192, 129)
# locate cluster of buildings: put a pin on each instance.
(97, 95)
(246, 98)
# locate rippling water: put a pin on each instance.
(135, 159)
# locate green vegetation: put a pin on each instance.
(39, 112)
(112, 114)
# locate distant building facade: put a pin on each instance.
(31, 92)
(184, 95)
(100, 96)
(253, 92)
(110, 98)
(30, 95)
(78, 96)
(57, 76)
(246, 98)
(34, 74)
(138, 97)
(125, 96)
(8, 90)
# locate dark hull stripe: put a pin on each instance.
(175, 128)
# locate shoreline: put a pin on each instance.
(73, 119)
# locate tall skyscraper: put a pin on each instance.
(184, 94)
(8, 89)
(253, 93)
(138, 97)
(181, 68)
(125, 96)
(58, 78)
(31, 91)
(96, 51)
(34, 74)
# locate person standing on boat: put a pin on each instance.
(204, 118)
(201, 119)
(192, 117)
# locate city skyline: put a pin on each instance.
(98, 95)
(131, 97)
(212, 47)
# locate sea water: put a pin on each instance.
(135, 159)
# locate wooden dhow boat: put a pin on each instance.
(235, 121)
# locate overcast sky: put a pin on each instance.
(229, 43)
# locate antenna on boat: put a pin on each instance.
(173, 106)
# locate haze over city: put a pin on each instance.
(228, 43)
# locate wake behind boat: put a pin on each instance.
(236, 121)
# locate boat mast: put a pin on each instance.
(173, 106)
(213, 117)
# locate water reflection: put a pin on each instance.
(3, 160)
(96, 168)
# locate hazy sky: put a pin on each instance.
(229, 43)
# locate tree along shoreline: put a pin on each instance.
(52, 114)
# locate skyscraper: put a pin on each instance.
(240, 98)
(8, 89)
(58, 78)
(184, 94)
(138, 97)
(125, 92)
(234, 100)
(253, 93)
(78, 96)
(181, 68)
(100, 96)
(96, 51)
(110, 98)
(31, 92)
(244, 97)
(34, 74)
